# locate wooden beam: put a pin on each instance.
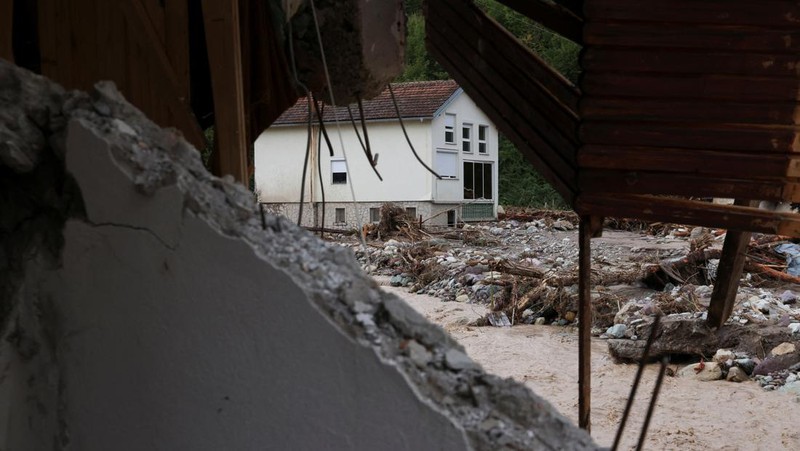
(729, 271)
(7, 30)
(555, 17)
(176, 42)
(585, 323)
(221, 20)
(684, 211)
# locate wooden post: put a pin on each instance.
(6, 30)
(585, 323)
(221, 20)
(729, 271)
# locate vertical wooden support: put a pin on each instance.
(221, 20)
(729, 271)
(585, 322)
(6, 30)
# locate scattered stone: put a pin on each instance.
(617, 330)
(458, 361)
(418, 354)
(736, 374)
(783, 349)
(788, 297)
(563, 225)
(793, 388)
(704, 371)
(747, 365)
(723, 355)
(539, 321)
(794, 328)
(462, 298)
(498, 319)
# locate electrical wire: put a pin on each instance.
(402, 125)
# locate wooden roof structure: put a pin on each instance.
(676, 98)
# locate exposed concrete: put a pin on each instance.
(165, 317)
(364, 46)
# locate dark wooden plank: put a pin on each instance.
(689, 110)
(505, 110)
(155, 88)
(766, 13)
(176, 42)
(729, 271)
(694, 161)
(554, 121)
(489, 31)
(585, 323)
(6, 29)
(563, 183)
(683, 211)
(691, 36)
(751, 138)
(221, 19)
(48, 50)
(683, 184)
(705, 62)
(573, 6)
(552, 16)
(707, 87)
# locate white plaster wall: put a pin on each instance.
(466, 111)
(280, 151)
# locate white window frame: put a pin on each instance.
(450, 128)
(336, 212)
(453, 171)
(339, 164)
(376, 217)
(466, 143)
(490, 191)
(483, 146)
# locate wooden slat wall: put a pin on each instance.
(6, 29)
(686, 97)
(534, 106)
(142, 45)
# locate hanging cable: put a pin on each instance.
(402, 125)
(355, 128)
(322, 126)
(305, 164)
(367, 150)
(321, 111)
(338, 128)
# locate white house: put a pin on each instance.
(448, 131)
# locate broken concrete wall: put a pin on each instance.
(150, 307)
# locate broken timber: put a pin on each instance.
(675, 99)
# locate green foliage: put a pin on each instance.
(521, 185)
(419, 64)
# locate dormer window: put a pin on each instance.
(449, 128)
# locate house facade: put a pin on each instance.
(449, 133)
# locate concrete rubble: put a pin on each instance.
(146, 304)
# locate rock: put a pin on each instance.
(617, 330)
(458, 361)
(539, 321)
(736, 374)
(498, 319)
(793, 388)
(418, 354)
(569, 316)
(696, 233)
(783, 349)
(774, 364)
(794, 328)
(747, 365)
(723, 355)
(787, 297)
(501, 210)
(710, 371)
(563, 225)
(462, 298)
(496, 231)
(396, 281)
(791, 378)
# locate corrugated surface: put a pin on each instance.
(687, 97)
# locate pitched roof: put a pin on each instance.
(415, 99)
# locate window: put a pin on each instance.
(466, 136)
(411, 212)
(477, 180)
(450, 128)
(446, 164)
(374, 215)
(339, 172)
(483, 130)
(339, 216)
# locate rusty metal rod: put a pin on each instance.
(636, 380)
(653, 399)
(584, 324)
